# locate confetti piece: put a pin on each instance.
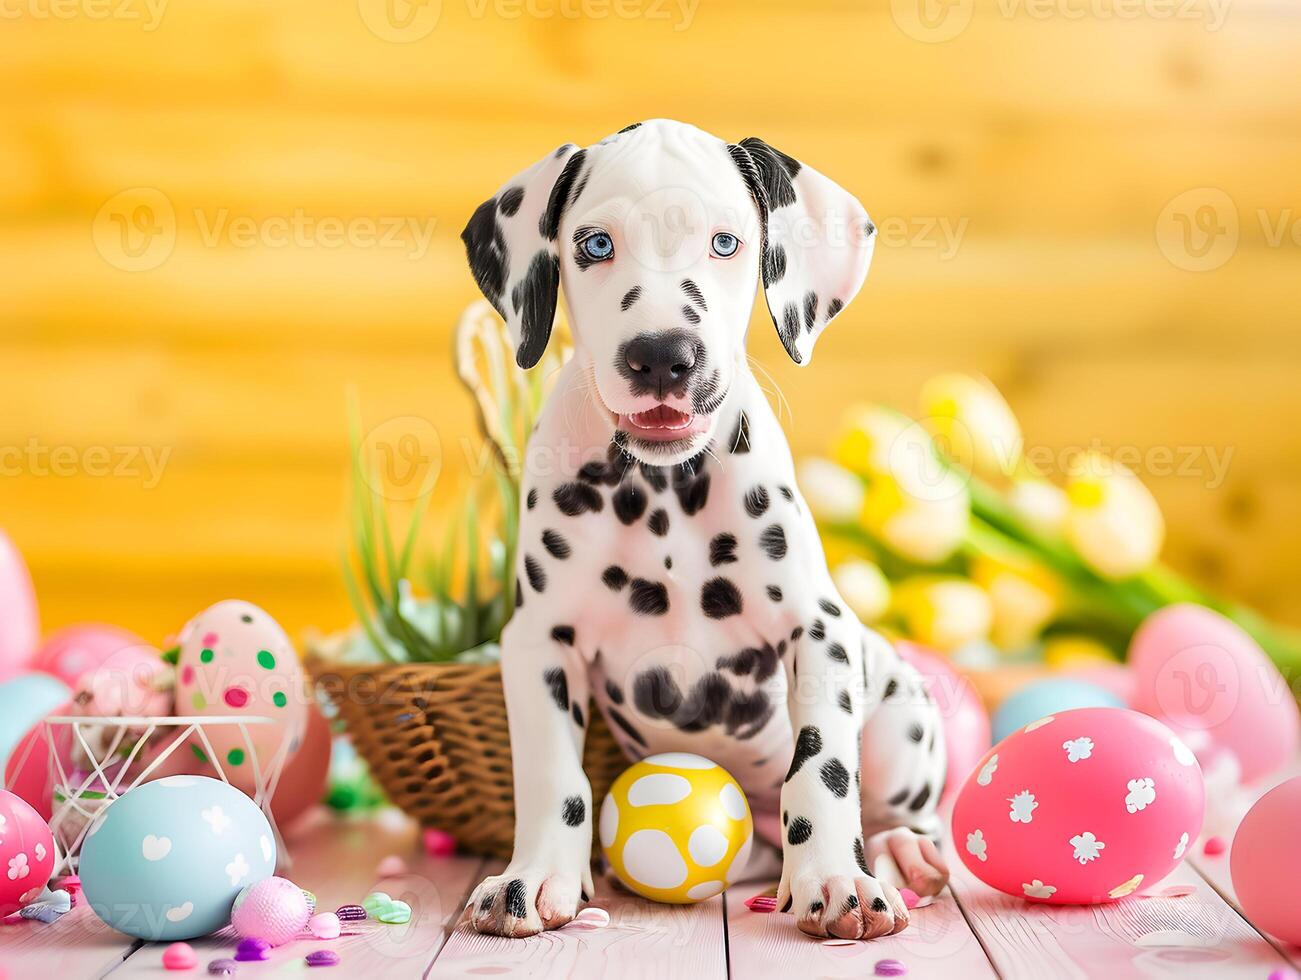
(889, 968)
(439, 843)
(1176, 891)
(252, 950)
(391, 867)
(1213, 846)
(350, 913)
(910, 898)
(761, 903)
(322, 957)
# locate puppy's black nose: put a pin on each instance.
(661, 361)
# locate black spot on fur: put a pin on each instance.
(534, 299)
(692, 316)
(656, 693)
(692, 492)
(899, 797)
(659, 522)
(756, 501)
(774, 264)
(859, 857)
(773, 542)
(577, 498)
(510, 201)
(693, 291)
(668, 561)
(598, 471)
(810, 310)
(577, 712)
(916, 732)
(846, 702)
(614, 577)
(517, 899)
(485, 903)
(835, 777)
(829, 607)
(815, 907)
(536, 576)
(760, 661)
(549, 224)
(786, 817)
(628, 129)
(776, 169)
(787, 906)
(851, 903)
(614, 692)
(807, 744)
(559, 685)
(786, 492)
(629, 298)
(722, 549)
(556, 544)
(818, 630)
(891, 686)
(622, 723)
(563, 634)
(532, 498)
(878, 904)
(573, 812)
(799, 831)
(796, 633)
(720, 598)
(774, 593)
(648, 598)
(837, 653)
(654, 477)
(920, 800)
(740, 441)
(629, 503)
(834, 307)
(789, 330)
(486, 251)
(746, 714)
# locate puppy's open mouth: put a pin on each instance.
(663, 423)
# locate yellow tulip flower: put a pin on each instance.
(1113, 520)
(972, 423)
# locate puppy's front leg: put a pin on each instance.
(825, 878)
(546, 700)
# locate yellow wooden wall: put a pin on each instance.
(1065, 140)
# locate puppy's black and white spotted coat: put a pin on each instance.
(669, 570)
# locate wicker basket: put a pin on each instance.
(435, 738)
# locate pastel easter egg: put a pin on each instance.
(131, 681)
(1080, 807)
(1209, 680)
(966, 723)
(167, 859)
(29, 772)
(19, 623)
(26, 853)
(24, 701)
(74, 651)
(236, 662)
(676, 828)
(273, 910)
(303, 783)
(1266, 861)
(1046, 697)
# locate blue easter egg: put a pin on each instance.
(166, 860)
(1044, 698)
(24, 701)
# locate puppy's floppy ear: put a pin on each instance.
(511, 244)
(817, 247)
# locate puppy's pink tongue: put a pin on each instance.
(659, 417)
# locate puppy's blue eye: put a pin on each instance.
(725, 245)
(598, 247)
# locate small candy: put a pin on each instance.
(1177, 891)
(41, 912)
(375, 902)
(253, 949)
(910, 897)
(890, 968)
(322, 957)
(223, 968)
(350, 913)
(590, 918)
(1213, 846)
(324, 926)
(439, 843)
(761, 903)
(391, 867)
(395, 913)
(180, 956)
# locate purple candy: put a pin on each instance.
(223, 968)
(351, 913)
(890, 968)
(322, 957)
(253, 949)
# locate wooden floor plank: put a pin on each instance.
(937, 943)
(336, 859)
(1148, 935)
(643, 939)
(77, 946)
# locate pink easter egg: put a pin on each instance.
(965, 720)
(74, 651)
(1206, 678)
(303, 780)
(273, 909)
(1266, 861)
(29, 773)
(19, 623)
(26, 853)
(236, 662)
(1082, 807)
(134, 680)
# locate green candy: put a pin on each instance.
(375, 903)
(396, 913)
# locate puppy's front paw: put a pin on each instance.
(525, 900)
(846, 906)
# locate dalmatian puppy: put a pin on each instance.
(669, 571)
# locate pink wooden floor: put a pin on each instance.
(972, 932)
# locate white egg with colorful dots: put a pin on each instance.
(676, 828)
(167, 859)
(235, 661)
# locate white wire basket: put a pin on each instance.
(114, 755)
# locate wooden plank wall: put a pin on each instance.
(1030, 175)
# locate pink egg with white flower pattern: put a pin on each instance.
(1081, 807)
(235, 661)
(26, 853)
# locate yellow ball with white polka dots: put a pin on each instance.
(676, 828)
